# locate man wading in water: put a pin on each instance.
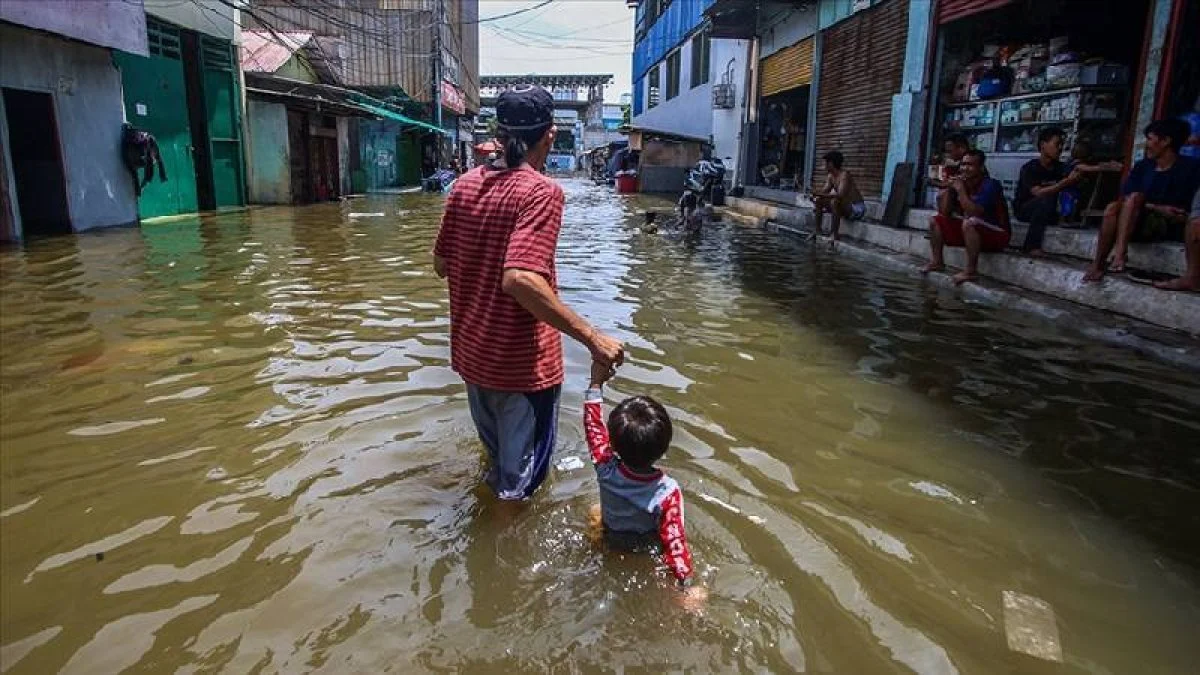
(496, 249)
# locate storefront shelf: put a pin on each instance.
(1049, 93)
(1035, 123)
(978, 127)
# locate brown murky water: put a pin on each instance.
(236, 445)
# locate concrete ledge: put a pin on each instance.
(1047, 277)
(1165, 257)
(792, 198)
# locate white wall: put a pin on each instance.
(86, 90)
(793, 25)
(729, 55)
(689, 113)
(203, 16)
(120, 24)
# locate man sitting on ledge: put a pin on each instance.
(983, 225)
(1190, 281)
(1154, 200)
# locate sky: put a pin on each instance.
(565, 36)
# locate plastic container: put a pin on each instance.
(626, 183)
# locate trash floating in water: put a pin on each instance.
(367, 215)
(1030, 626)
(216, 473)
(569, 464)
(757, 520)
(746, 356)
(935, 490)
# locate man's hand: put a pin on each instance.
(601, 374)
(1174, 212)
(606, 350)
(439, 266)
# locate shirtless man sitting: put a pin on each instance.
(839, 197)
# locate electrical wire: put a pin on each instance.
(551, 45)
(505, 16)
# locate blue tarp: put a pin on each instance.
(682, 17)
(384, 112)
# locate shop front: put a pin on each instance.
(1008, 68)
(862, 60)
(785, 84)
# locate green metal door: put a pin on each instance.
(408, 157)
(156, 100)
(224, 131)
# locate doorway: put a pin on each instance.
(37, 167)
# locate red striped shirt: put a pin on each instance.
(497, 220)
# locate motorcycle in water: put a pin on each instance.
(705, 184)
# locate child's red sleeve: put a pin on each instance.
(594, 429)
(676, 554)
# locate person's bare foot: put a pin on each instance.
(933, 267)
(1036, 253)
(693, 599)
(595, 528)
(1093, 274)
(1118, 266)
(963, 277)
(1179, 284)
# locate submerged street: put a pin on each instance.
(235, 444)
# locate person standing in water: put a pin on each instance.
(496, 249)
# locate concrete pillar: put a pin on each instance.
(910, 105)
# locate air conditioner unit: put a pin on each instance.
(724, 95)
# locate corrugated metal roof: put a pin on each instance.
(266, 52)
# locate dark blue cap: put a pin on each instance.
(524, 108)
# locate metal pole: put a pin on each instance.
(439, 14)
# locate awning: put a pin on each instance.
(953, 10)
(326, 97)
(732, 19)
(384, 112)
(649, 133)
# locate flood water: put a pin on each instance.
(236, 445)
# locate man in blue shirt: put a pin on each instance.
(1154, 200)
(983, 224)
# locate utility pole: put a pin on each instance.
(439, 19)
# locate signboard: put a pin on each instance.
(452, 98)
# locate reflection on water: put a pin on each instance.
(236, 444)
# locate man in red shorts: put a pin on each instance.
(983, 223)
(496, 249)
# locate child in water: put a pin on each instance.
(640, 507)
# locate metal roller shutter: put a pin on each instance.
(862, 59)
(788, 68)
(953, 10)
